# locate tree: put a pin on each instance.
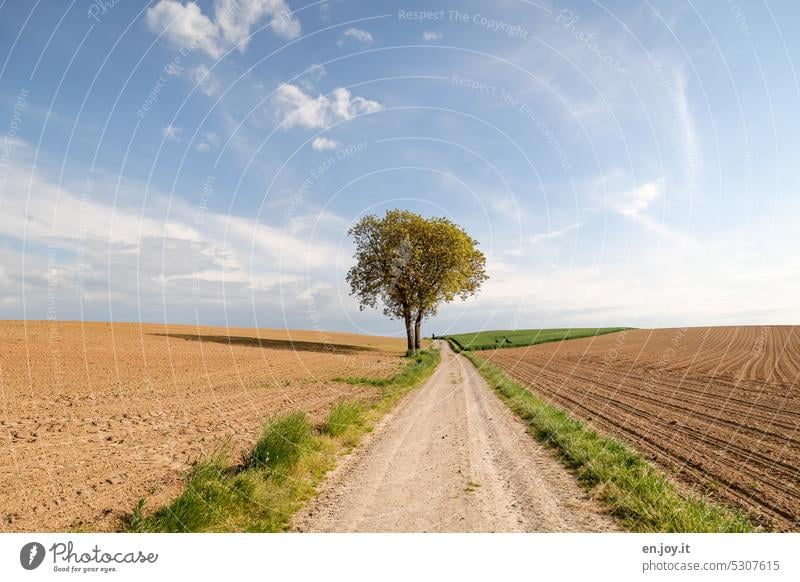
(410, 265)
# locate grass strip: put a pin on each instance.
(410, 376)
(273, 480)
(634, 490)
(498, 339)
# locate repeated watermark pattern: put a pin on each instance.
(570, 21)
(10, 139)
(198, 247)
(739, 16)
(474, 18)
(317, 173)
(529, 115)
(99, 8)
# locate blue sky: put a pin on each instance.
(620, 163)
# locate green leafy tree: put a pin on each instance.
(410, 265)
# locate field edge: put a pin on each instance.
(273, 481)
(547, 336)
(634, 490)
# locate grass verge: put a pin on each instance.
(631, 488)
(489, 340)
(275, 478)
(344, 415)
(409, 376)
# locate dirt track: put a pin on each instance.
(719, 406)
(451, 457)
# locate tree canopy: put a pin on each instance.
(410, 265)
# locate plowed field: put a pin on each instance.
(718, 407)
(94, 416)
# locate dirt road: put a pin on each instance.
(453, 458)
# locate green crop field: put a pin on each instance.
(487, 340)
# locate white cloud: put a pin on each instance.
(311, 77)
(555, 233)
(434, 35)
(153, 259)
(634, 204)
(689, 140)
(316, 72)
(185, 25)
(203, 78)
(362, 37)
(324, 143)
(236, 18)
(57, 215)
(172, 133)
(636, 201)
(697, 283)
(325, 10)
(211, 139)
(294, 107)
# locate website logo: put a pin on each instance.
(31, 555)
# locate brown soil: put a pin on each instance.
(718, 407)
(95, 416)
(452, 457)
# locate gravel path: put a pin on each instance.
(451, 457)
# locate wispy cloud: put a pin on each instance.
(689, 139)
(693, 284)
(555, 233)
(361, 37)
(203, 78)
(90, 252)
(634, 205)
(634, 202)
(210, 139)
(172, 133)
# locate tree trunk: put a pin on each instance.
(417, 332)
(409, 334)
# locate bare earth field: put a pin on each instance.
(94, 416)
(718, 407)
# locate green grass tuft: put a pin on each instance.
(344, 415)
(206, 489)
(282, 442)
(634, 490)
